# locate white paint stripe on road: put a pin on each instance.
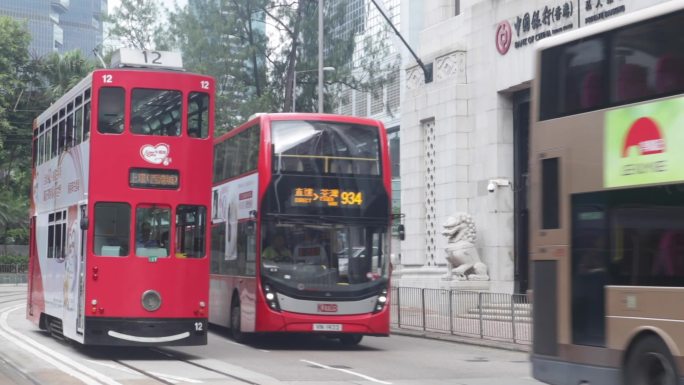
(171, 378)
(66, 364)
(369, 378)
(114, 366)
(44, 357)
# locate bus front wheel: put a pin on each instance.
(650, 363)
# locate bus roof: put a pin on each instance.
(295, 116)
(611, 24)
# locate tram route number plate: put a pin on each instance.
(327, 327)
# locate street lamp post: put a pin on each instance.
(294, 84)
(320, 56)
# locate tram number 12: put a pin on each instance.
(156, 56)
(198, 326)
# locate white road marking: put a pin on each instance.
(175, 379)
(50, 356)
(114, 366)
(369, 378)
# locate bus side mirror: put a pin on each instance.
(402, 232)
(84, 223)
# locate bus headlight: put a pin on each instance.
(381, 301)
(271, 298)
(151, 300)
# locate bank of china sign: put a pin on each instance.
(642, 144)
(550, 19)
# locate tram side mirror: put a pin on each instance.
(402, 232)
(84, 223)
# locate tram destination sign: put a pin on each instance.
(153, 178)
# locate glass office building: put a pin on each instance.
(59, 25)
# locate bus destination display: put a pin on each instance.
(153, 178)
(328, 197)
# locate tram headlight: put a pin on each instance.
(151, 300)
(271, 298)
(381, 301)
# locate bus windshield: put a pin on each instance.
(327, 257)
(320, 147)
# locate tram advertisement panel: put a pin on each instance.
(61, 181)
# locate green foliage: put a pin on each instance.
(226, 41)
(27, 86)
(136, 23)
(62, 72)
(14, 259)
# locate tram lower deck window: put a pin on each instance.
(112, 229)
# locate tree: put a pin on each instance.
(136, 23)
(297, 23)
(226, 40)
(15, 133)
(62, 72)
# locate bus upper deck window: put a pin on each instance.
(156, 112)
(111, 110)
(198, 115)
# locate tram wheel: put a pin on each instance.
(650, 363)
(351, 339)
(235, 317)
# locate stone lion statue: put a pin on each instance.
(462, 257)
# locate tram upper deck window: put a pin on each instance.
(112, 229)
(156, 112)
(111, 110)
(198, 115)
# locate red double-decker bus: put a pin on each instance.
(119, 223)
(301, 227)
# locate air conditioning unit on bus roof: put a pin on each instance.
(128, 57)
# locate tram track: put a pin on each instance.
(11, 300)
(174, 357)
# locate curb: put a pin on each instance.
(504, 345)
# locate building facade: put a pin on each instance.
(60, 25)
(464, 143)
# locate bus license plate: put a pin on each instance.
(327, 327)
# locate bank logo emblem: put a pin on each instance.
(504, 35)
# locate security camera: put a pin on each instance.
(494, 183)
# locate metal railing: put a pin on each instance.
(492, 316)
(15, 273)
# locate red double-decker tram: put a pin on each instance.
(121, 190)
(301, 227)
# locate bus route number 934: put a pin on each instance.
(351, 198)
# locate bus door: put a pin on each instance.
(80, 269)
